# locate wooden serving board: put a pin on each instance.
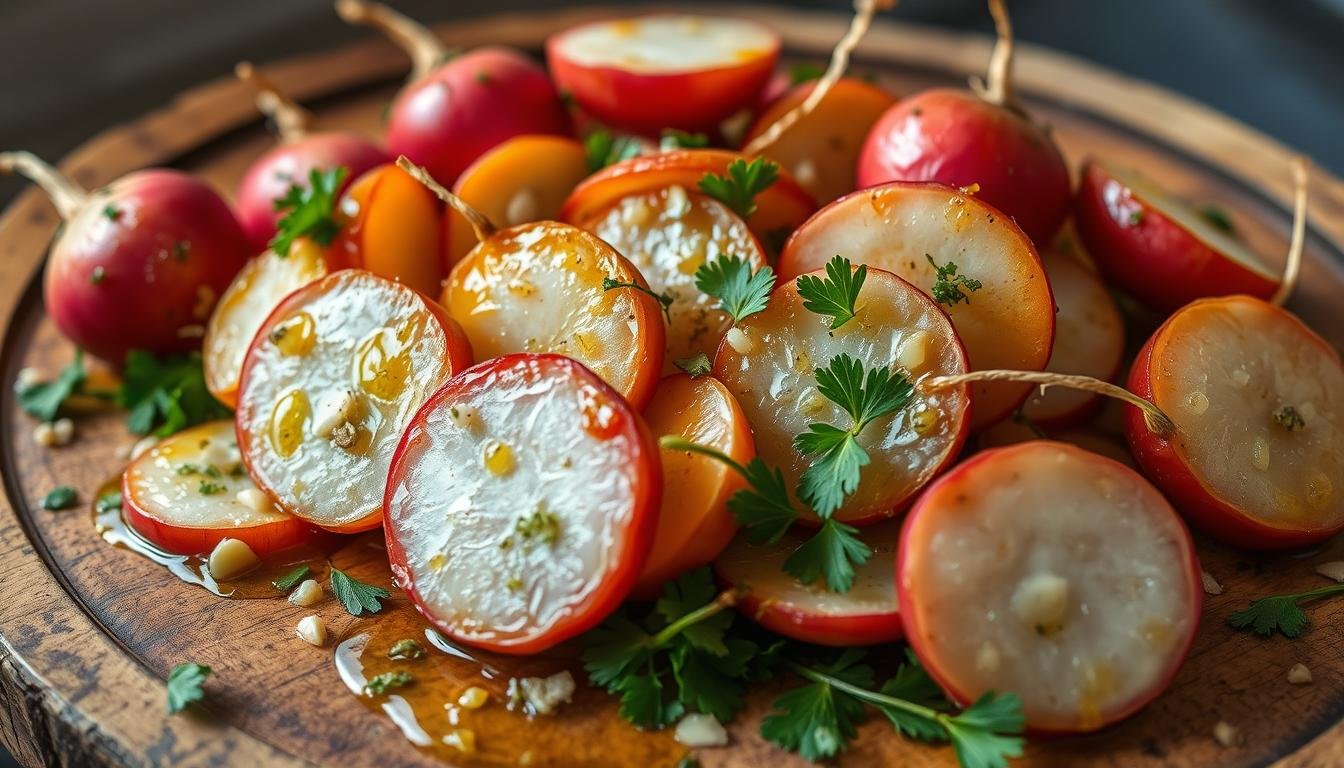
(88, 632)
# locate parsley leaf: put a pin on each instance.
(977, 733)
(168, 393)
(355, 595)
(380, 684)
(836, 294)
(740, 291)
(805, 71)
(686, 594)
(763, 508)
(44, 399)
(816, 720)
(1218, 218)
(883, 392)
(664, 299)
(835, 473)
(694, 366)
(1281, 613)
(604, 149)
(309, 211)
(833, 552)
(184, 685)
(291, 579)
(108, 502)
(740, 186)
(406, 649)
(674, 139)
(948, 285)
(59, 498)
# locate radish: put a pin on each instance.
(865, 615)
(300, 151)
(329, 383)
(1257, 400)
(769, 364)
(985, 138)
(456, 107)
(521, 503)
(961, 251)
(139, 263)
(1048, 571)
(648, 73)
(189, 492)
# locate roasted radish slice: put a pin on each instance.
(865, 615)
(1089, 340)
(522, 503)
(1050, 572)
(390, 226)
(246, 304)
(769, 363)
(663, 71)
(332, 378)
(1258, 403)
(1159, 248)
(780, 208)
(190, 491)
(972, 259)
(694, 524)
(668, 234)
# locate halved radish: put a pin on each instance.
(1008, 322)
(770, 366)
(1257, 459)
(668, 234)
(865, 615)
(1051, 572)
(539, 288)
(779, 209)
(522, 503)
(390, 226)
(190, 491)
(1159, 248)
(694, 524)
(648, 73)
(331, 380)
(1089, 340)
(261, 284)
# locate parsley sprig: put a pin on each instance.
(602, 149)
(695, 366)
(949, 288)
(740, 291)
(355, 595)
(835, 295)
(166, 395)
(743, 181)
(1280, 613)
(185, 685)
(309, 211)
(43, 400)
(675, 139)
(664, 299)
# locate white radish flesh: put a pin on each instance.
(666, 43)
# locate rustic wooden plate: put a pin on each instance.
(89, 632)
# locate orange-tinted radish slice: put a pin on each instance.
(245, 305)
(771, 370)
(865, 615)
(668, 234)
(538, 288)
(663, 71)
(522, 503)
(332, 379)
(190, 491)
(1008, 323)
(822, 149)
(1050, 572)
(780, 208)
(1089, 340)
(694, 524)
(1257, 459)
(525, 179)
(391, 229)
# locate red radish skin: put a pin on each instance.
(980, 475)
(163, 501)
(662, 71)
(1157, 248)
(1275, 347)
(865, 615)
(604, 501)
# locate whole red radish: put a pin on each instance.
(986, 138)
(139, 263)
(299, 152)
(454, 108)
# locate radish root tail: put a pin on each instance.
(292, 121)
(1293, 265)
(480, 223)
(65, 194)
(416, 39)
(997, 88)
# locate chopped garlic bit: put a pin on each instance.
(255, 500)
(1298, 674)
(678, 202)
(231, 558)
(474, 697)
(541, 695)
(334, 410)
(1211, 585)
(306, 594)
(313, 630)
(1041, 601)
(913, 351)
(739, 341)
(59, 432)
(700, 730)
(465, 417)
(462, 739)
(1225, 734)
(27, 377)
(1332, 570)
(805, 172)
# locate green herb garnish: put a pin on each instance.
(604, 149)
(210, 488)
(380, 684)
(185, 685)
(664, 299)
(166, 395)
(1218, 218)
(740, 291)
(355, 595)
(949, 288)
(1289, 418)
(542, 525)
(291, 579)
(1280, 613)
(836, 294)
(44, 399)
(674, 139)
(743, 182)
(107, 502)
(309, 211)
(58, 498)
(406, 649)
(694, 366)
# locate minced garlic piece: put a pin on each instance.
(1211, 585)
(739, 341)
(1298, 674)
(474, 697)
(312, 630)
(306, 594)
(231, 558)
(700, 730)
(1332, 570)
(1226, 734)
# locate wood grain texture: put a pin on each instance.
(88, 633)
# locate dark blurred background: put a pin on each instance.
(69, 68)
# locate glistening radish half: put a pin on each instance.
(865, 615)
(329, 384)
(1053, 573)
(139, 263)
(189, 492)
(1257, 399)
(456, 107)
(999, 298)
(522, 503)
(648, 73)
(390, 225)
